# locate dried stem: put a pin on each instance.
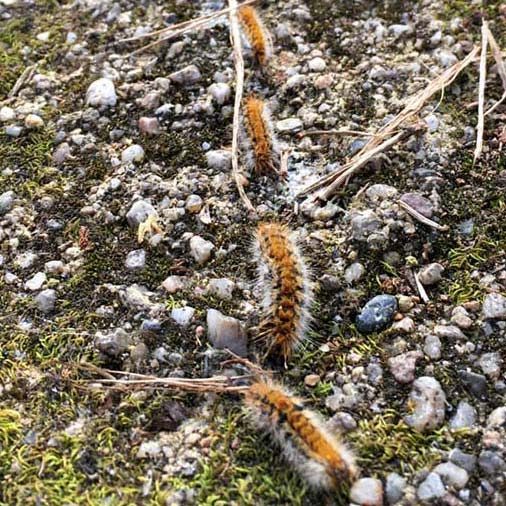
(496, 51)
(421, 218)
(22, 79)
(481, 93)
(421, 290)
(341, 131)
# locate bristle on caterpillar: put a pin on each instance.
(258, 36)
(286, 287)
(262, 151)
(319, 456)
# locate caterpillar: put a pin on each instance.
(256, 33)
(284, 281)
(260, 143)
(320, 457)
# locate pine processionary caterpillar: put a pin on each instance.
(261, 147)
(287, 293)
(318, 455)
(258, 36)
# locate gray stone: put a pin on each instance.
(33, 121)
(461, 318)
(54, 267)
(494, 306)
(136, 259)
(289, 125)
(432, 122)
(446, 58)
(453, 476)
(432, 347)
(419, 203)
(25, 260)
(317, 64)
(139, 213)
(13, 130)
(200, 249)
(497, 418)
(491, 462)
(364, 223)
(6, 201)
(46, 300)
(475, 383)
(428, 399)
(226, 332)
(431, 488)
(186, 76)
(149, 449)
(61, 153)
(431, 274)
(174, 284)
(136, 297)
(490, 364)
(7, 114)
(223, 288)
(114, 343)
(101, 93)
(133, 153)
(354, 272)
(403, 366)
(380, 191)
(449, 332)
(219, 159)
(367, 492)
(395, 488)
(341, 422)
(464, 460)
(220, 92)
(139, 353)
(182, 315)
(36, 282)
(194, 203)
(465, 416)
(377, 314)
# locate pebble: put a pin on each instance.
(7, 114)
(139, 213)
(461, 318)
(194, 203)
(464, 460)
(497, 418)
(101, 93)
(311, 380)
(354, 272)
(475, 383)
(364, 223)
(490, 364)
(13, 131)
(133, 153)
(289, 125)
(6, 201)
(379, 191)
(446, 58)
(223, 288)
(149, 126)
(452, 475)
(61, 153)
(33, 121)
(36, 282)
(186, 76)
(151, 325)
(219, 159)
(149, 449)
(403, 366)
(419, 203)
(317, 64)
(428, 399)
(200, 249)
(465, 416)
(367, 492)
(494, 305)
(406, 325)
(136, 259)
(448, 332)
(431, 274)
(432, 122)
(46, 300)
(377, 314)
(490, 462)
(394, 488)
(220, 92)
(431, 488)
(226, 332)
(174, 284)
(114, 343)
(182, 315)
(405, 303)
(138, 353)
(25, 260)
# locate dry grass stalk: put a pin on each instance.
(421, 290)
(480, 127)
(501, 68)
(120, 380)
(25, 76)
(341, 131)
(421, 218)
(387, 136)
(235, 36)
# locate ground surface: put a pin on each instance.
(72, 290)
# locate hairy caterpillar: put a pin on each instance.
(256, 33)
(287, 293)
(318, 455)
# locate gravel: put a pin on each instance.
(428, 400)
(377, 314)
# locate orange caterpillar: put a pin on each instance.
(258, 36)
(319, 456)
(262, 151)
(286, 288)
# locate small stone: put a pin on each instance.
(46, 300)
(112, 344)
(223, 288)
(431, 488)
(446, 58)
(54, 267)
(7, 114)
(428, 400)
(194, 203)
(377, 314)
(219, 159)
(187, 75)
(461, 318)
(317, 64)
(354, 272)
(6, 201)
(395, 488)
(465, 416)
(139, 213)
(432, 122)
(136, 259)
(364, 223)
(36, 282)
(431, 274)
(491, 463)
(33, 121)
(25, 260)
(220, 92)
(405, 303)
(200, 249)
(139, 353)
(226, 332)
(494, 306)
(341, 422)
(174, 284)
(475, 383)
(133, 153)
(490, 364)
(101, 93)
(13, 130)
(379, 191)
(406, 325)
(182, 315)
(453, 476)
(403, 366)
(311, 380)
(149, 126)
(151, 325)
(61, 153)
(448, 332)
(149, 449)
(419, 203)
(497, 418)
(464, 460)
(367, 492)
(289, 125)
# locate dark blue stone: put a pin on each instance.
(377, 314)
(151, 325)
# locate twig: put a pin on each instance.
(335, 132)
(383, 138)
(421, 289)
(481, 93)
(496, 52)
(235, 36)
(25, 76)
(421, 218)
(283, 166)
(254, 368)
